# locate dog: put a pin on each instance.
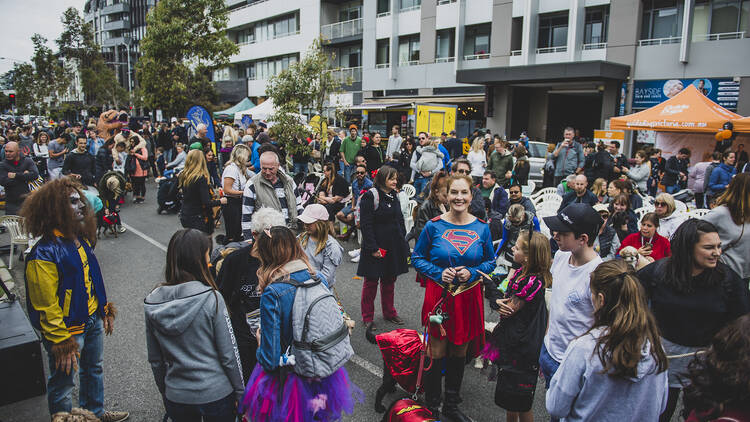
(107, 221)
(630, 255)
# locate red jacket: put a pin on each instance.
(661, 247)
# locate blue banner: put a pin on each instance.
(198, 115)
(723, 91)
(246, 121)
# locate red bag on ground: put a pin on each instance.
(407, 410)
(401, 349)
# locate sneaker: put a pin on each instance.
(114, 416)
(478, 363)
(121, 229)
(355, 259)
(396, 320)
(354, 253)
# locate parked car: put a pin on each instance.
(537, 157)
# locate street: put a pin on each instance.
(133, 264)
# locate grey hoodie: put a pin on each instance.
(580, 392)
(191, 345)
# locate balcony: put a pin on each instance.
(409, 9)
(444, 59)
(116, 8)
(343, 29)
(594, 46)
(116, 25)
(481, 56)
(347, 75)
(115, 41)
(515, 53)
(721, 36)
(659, 41)
(382, 66)
(409, 63)
(548, 50)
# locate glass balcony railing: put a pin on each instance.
(347, 75)
(343, 29)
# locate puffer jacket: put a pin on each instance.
(720, 178)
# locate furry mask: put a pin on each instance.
(111, 123)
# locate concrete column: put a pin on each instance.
(393, 70)
(743, 104)
(687, 30)
(530, 31)
(500, 120)
(500, 35)
(576, 22)
(369, 12)
(538, 104)
(427, 32)
(460, 34)
(624, 30)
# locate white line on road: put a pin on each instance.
(363, 363)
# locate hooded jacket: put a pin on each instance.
(81, 163)
(720, 178)
(17, 188)
(579, 391)
(191, 344)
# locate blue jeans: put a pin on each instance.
(672, 189)
(299, 168)
(347, 170)
(420, 182)
(222, 410)
(91, 390)
(548, 365)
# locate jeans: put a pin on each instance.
(299, 168)
(222, 410)
(370, 290)
(91, 390)
(548, 365)
(420, 182)
(347, 172)
(672, 189)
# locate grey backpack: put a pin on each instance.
(320, 339)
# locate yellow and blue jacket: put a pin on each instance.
(64, 286)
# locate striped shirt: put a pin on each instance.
(249, 204)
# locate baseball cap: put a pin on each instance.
(601, 207)
(580, 218)
(313, 213)
(173, 119)
(453, 132)
(196, 145)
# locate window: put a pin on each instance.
(350, 11)
(477, 40)
(408, 49)
(246, 36)
(553, 30)
(595, 28)
(349, 56)
(445, 45)
(383, 53)
(265, 68)
(723, 18)
(661, 19)
(409, 4)
(283, 26)
(384, 6)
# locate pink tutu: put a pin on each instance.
(299, 399)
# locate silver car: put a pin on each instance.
(537, 157)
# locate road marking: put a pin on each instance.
(145, 237)
(363, 363)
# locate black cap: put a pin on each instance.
(443, 134)
(579, 218)
(453, 132)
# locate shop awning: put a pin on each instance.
(378, 106)
(742, 125)
(688, 111)
(553, 72)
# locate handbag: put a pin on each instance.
(515, 380)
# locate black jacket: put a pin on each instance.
(382, 228)
(333, 152)
(82, 164)
(104, 160)
(17, 188)
(673, 168)
(571, 197)
(603, 166)
(374, 157)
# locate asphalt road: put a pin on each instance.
(133, 264)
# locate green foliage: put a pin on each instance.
(98, 81)
(41, 83)
(186, 40)
(305, 85)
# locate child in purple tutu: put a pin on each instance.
(516, 341)
(274, 392)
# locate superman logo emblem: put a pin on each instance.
(461, 239)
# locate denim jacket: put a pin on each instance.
(276, 304)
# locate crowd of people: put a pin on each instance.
(620, 314)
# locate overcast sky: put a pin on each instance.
(23, 18)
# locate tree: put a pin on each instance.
(39, 84)
(98, 81)
(186, 41)
(305, 85)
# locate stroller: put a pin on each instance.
(306, 187)
(168, 196)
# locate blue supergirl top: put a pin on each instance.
(442, 244)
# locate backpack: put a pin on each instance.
(375, 200)
(320, 338)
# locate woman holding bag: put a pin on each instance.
(234, 178)
(384, 250)
(451, 252)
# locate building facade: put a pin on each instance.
(119, 26)
(509, 65)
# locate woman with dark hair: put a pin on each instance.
(213, 168)
(189, 336)
(404, 160)
(622, 219)
(718, 388)
(618, 187)
(197, 198)
(617, 370)
(693, 295)
(374, 153)
(275, 392)
(647, 241)
(384, 250)
(332, 190)
(451, 252)
(522, 166)
(435, 205)
(721, 175)
(731, 216)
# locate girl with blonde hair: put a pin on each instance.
(234, 178)
(197, 195)
(478, 160)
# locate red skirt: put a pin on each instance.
(465, 321)
(422, 280)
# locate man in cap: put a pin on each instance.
(571, 312)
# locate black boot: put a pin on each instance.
(432, 384)
(454, 376)
(388, 386)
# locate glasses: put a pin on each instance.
(422, 138)
(514, 192)
(660, 204)
(361, 172)
(463, 171)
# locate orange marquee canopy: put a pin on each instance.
(742, 125)
(688, 111)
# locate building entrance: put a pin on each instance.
(582, 111)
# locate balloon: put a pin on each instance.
(723, 135)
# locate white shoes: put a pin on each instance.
(355, 259)
(353, 253)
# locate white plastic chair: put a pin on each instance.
(409, 190)
(640, 212)
(547, 209)
(542, 191)
(547, 197)
(529, 188)
(409, 219)
(680, 207)
(18, 235)
(698, 213)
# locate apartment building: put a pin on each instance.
(119, 25)
(509, 65)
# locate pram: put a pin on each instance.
(306, 187)
(168, 196)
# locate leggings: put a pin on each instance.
(233, 219)
(139, 186)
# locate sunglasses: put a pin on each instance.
(422, 138)
(463, 171)
(361, 172)
(660, 204)
(514, 192)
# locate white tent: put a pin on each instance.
(262, 112)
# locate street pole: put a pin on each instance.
(130, 84)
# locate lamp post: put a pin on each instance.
(127, 41)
